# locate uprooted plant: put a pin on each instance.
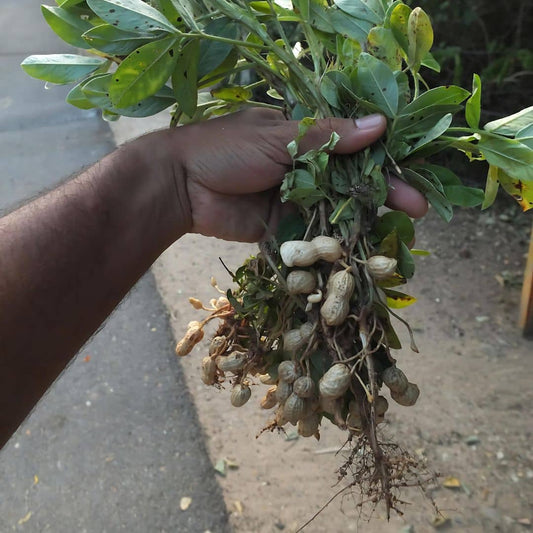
(310, 314)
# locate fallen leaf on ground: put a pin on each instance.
(238, 507)
(451, 483)
(440, 521)
(231, 464)
(220, 467)
(185, 502)
(24, 519)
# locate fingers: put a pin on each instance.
(405, 198)
(354, 134)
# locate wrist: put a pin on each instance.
(159, 159)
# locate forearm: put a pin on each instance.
(67, 260)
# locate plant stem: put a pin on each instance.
(235, 42)
(253, 103)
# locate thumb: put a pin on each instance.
(354, 134)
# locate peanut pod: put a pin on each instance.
(306, 253)
(339, 291)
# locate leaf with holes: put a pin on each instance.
(376, 83)
(111, 40)
(131, 15)
(144, 72)
(185, 78)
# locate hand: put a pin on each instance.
(233, 167)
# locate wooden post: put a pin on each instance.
(526, 307)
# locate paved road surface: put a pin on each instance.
(116, 443)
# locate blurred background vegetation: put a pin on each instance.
(493, 38)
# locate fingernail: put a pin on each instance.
(369, 122)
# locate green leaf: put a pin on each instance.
(417, 251)
(213, 53)
(382, 45)
(60, 68)
(131, 15)
(425, 111)
(398, 222)
(431, 190)
(430, 62)
(66, 25)
(406, 263)
(111, 40)
(343, 211)
(435, 132)
(473, 104)
(452, 187)
(392, 338)
(525, 136)
(319, 16)
(389, 245)
(299, 187)
(185, 77)
(369, 11)
(443, 174)
(420, 36)
(512, 124)
(464, 196)
(189, 10)
(439, 96)
(329, 91)
(144, 72)
(291, 227)
(348, 50)
(349, 26)
(68, 3)
(170, 11)
(97, 91)
(491, 187)
(76, 97)
(513, 157)
(376, 83)
(398, 24)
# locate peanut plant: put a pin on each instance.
(310, 316)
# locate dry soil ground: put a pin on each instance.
(473, 421)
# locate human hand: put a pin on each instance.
(232, 168)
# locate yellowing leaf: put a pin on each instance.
(398, 24)
(392, 281)
(232, 94)
(398, 300)
(521, 191)
(417, 251)
(420, 34)
(451, 483)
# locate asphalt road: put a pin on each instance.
(116, 443)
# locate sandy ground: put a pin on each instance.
(473, 421)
